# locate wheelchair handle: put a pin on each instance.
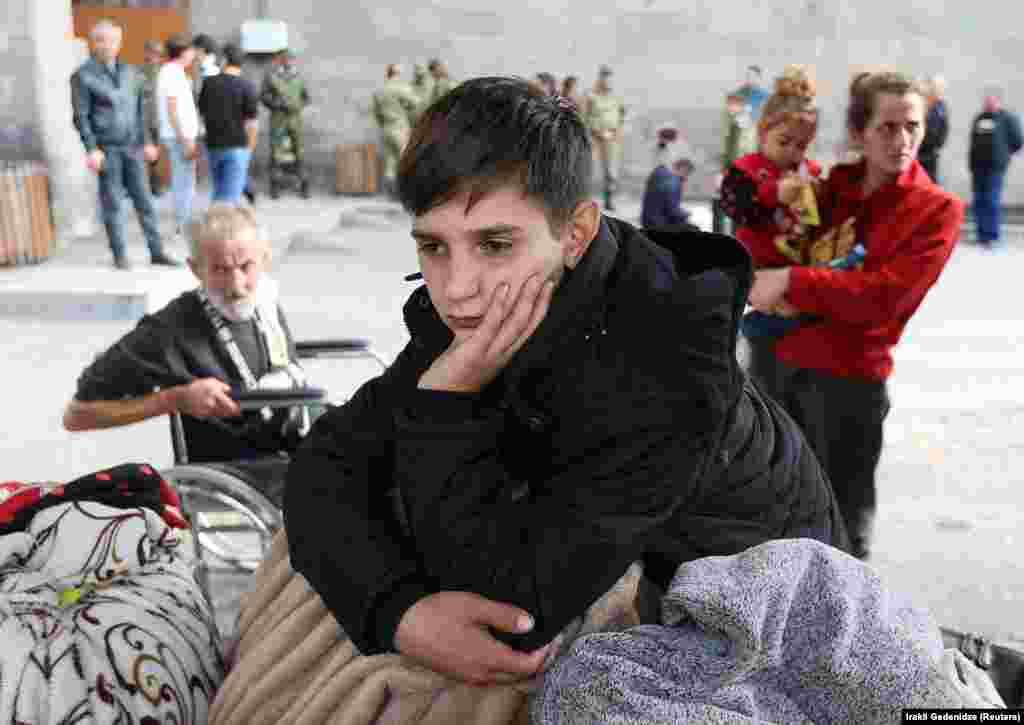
(341, 347)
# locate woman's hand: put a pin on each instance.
(769, 289)
(469, 365)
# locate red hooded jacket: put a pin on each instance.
(908, 228)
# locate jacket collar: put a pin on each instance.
(116, 67)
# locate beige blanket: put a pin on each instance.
(295, 666)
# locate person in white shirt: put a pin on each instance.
(179, 125)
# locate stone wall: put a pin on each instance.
(673, 59)
(19, 133)
(38, 54)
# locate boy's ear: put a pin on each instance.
(581, 230)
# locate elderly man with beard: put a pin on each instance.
(185, 358)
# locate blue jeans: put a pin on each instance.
(229, 169)
(183, 182)
(124, 172)
(988, 209)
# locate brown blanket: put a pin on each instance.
(294, 665)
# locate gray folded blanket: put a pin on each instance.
(787, 632)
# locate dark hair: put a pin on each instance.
(177, 45)
(490, 132)
(867, 87)
(433, 64)
(233, 55)
(205, 42)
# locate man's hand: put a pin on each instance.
(769, 289)
(150, 153)
(94, 160)
(468, 366)
(190, 149)
(206, 398)
(448, 633)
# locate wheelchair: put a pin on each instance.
(231, 513)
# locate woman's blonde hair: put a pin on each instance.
(793, 100)
(223, 221)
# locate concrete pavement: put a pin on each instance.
(951, 479)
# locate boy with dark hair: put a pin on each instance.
(570, 402)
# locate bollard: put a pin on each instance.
(26, 228)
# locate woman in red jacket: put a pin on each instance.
(831, 375)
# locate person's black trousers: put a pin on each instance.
(842, 419)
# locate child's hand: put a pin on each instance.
(784, 309)
(790, 188)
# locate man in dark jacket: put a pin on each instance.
(995, 137)
(110, 115)
(663, 193)
(570, 402)
(936, 128)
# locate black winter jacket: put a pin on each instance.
(995, 137)
(623, 430)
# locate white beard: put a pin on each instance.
(265, 294)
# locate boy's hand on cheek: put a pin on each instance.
(468, 365)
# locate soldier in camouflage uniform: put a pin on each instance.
(422, 86)
(442, 83)
(395, 107)
(286, 95)
(605, 116)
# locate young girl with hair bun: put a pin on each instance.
(770, 195)
(764, 192)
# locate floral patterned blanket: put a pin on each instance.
(102, 621)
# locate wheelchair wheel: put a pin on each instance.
(230, 519)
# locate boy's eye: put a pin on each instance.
(429, 248)
(494, 246)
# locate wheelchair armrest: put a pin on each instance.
(332, 346)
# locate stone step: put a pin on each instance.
(53, 291)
